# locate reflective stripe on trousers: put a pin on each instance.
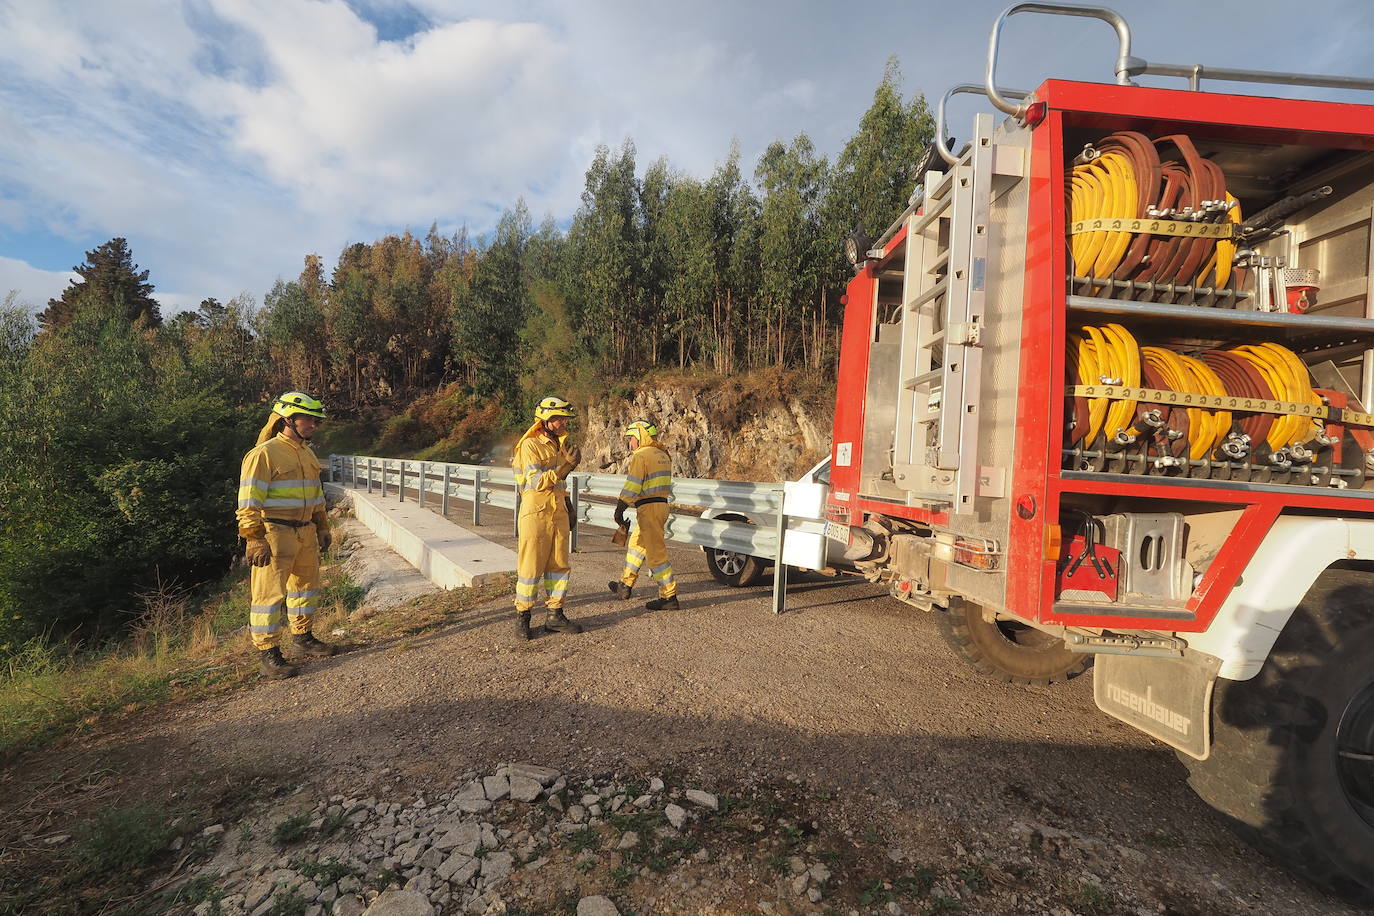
(646, 544)
(542, 557)
(285, 588)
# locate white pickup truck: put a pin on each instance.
(739, 570)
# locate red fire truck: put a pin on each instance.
(1102, 397)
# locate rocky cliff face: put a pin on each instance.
(728, 431)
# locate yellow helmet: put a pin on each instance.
(298, 402)
(554, 406)
(642, 431)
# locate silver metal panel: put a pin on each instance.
(880, 401)
(1337, 239)
(1000, 372)
(949, 420)
(1151, 547)
(969, 416)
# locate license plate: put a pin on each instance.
(837, 532)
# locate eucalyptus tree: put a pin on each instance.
(605, 246)
(489, 308)
(793, 181)
(875, 172)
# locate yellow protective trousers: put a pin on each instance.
(287, 587)
(646, 544)
(541, 555)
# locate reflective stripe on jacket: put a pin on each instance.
(280, 479)
(650, 475)
(536, 461)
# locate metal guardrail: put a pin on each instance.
(593, 497)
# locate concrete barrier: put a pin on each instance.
(447, 555)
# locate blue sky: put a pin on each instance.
(227, 139)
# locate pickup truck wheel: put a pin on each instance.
(1292, 761)
(1009, 651)
(737, 570)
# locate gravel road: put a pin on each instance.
(849, 694)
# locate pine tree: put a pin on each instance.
(110, 282)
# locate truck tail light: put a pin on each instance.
(1035, 113)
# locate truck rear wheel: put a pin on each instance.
(1007, 650)
(1292, 762)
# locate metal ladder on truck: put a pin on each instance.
(935, 452)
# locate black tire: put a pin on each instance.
(1008, 651)
(737, 570)
(1292, 762)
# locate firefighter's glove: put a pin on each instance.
(620, 507)
(324, 536)
(257, 552)
(572, 457)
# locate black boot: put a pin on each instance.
(555, 622)
(522, 625)
(306, 644)
(619, 589)
(663, 604)
(272, 665)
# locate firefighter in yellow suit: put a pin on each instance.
(281, 515)
(542, 460)
(648, 487)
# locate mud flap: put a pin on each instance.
(1166, 698)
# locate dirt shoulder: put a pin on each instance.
(848, 714)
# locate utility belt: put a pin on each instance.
(650, 501)
(289, 524)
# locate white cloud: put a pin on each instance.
(32, 287)
(226, 139)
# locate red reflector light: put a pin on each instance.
(1036, 113)
(976, 554)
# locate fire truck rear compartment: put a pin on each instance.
(913, 354)
(1106, 557)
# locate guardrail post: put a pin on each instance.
(424, 482)
(401, 481)
(384, 467)
(572, 517)
(779, 567)
(443, 503)
(515, 520)
(477, 475)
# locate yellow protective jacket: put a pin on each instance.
(539, 464)
(280, 479)
(649, 475)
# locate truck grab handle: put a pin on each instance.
(1128, 66)
(1124, 62)
(941, 144)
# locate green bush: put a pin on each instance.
(119, 455)
(402, 433)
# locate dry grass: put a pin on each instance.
(48, 690)
(181, 646)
